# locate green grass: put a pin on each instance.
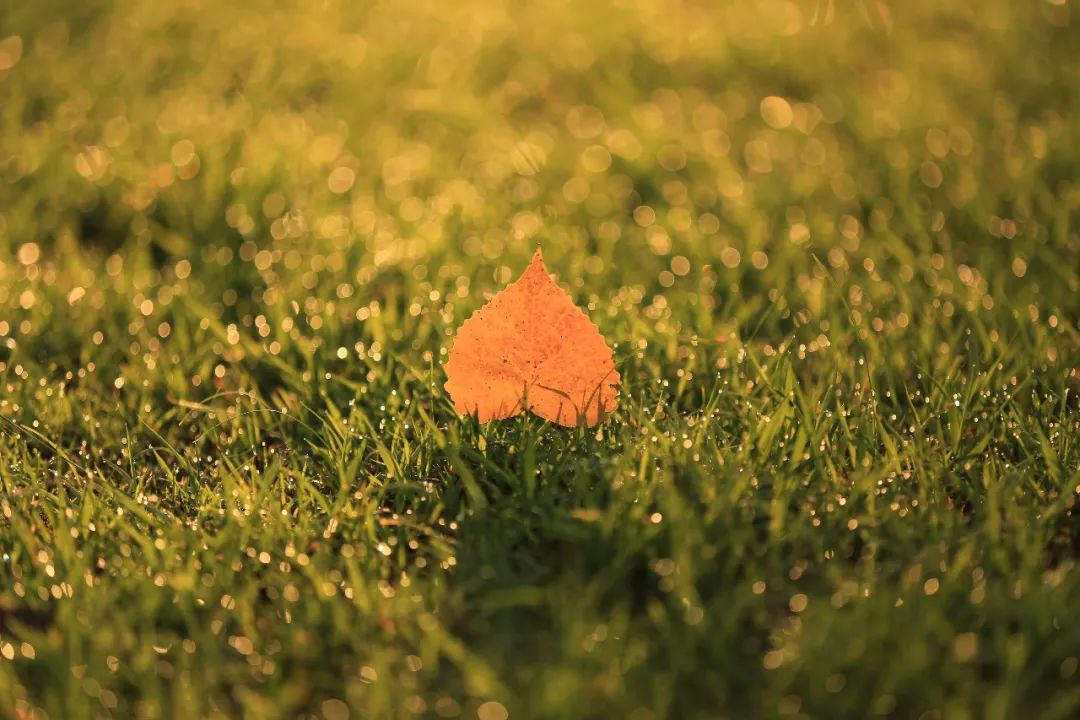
(842, 480)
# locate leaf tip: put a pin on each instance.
(536, 265)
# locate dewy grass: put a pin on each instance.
(836, 249)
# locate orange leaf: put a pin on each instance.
(530, 348)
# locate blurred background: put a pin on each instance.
(352, 156)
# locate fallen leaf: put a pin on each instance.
(530, 348)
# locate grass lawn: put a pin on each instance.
(836, 249)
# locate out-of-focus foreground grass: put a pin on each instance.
(835, 245)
